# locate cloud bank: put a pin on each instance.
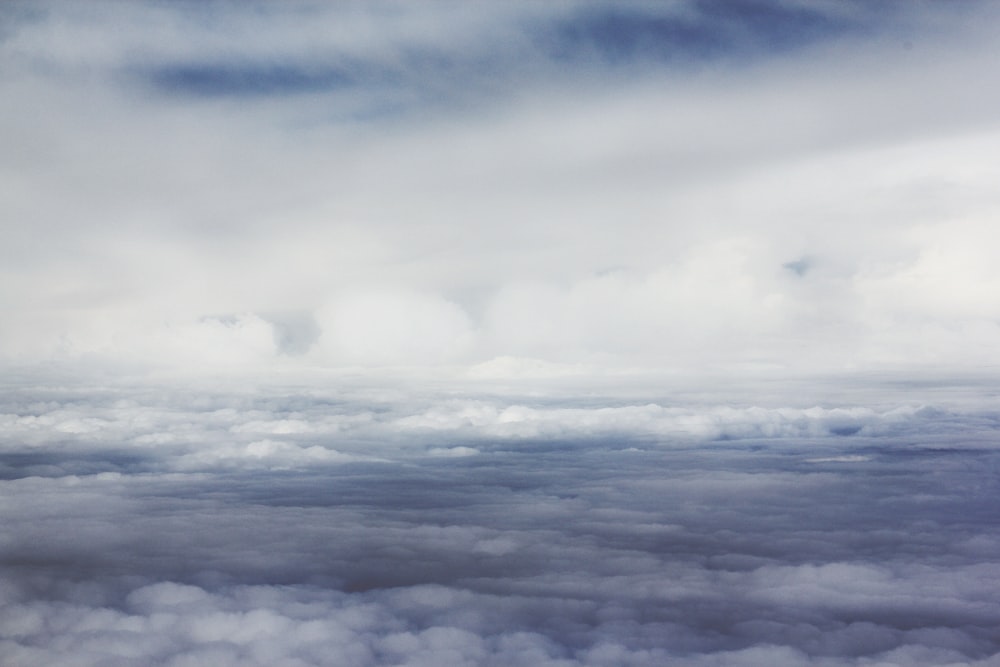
(147, 526)
(613, 185)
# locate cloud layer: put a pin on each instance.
(684, 185)
(149, 526)
(564, 334)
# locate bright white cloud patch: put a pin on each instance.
(393, 327)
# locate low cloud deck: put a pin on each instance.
(243, 529)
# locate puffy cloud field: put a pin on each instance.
(306, 526)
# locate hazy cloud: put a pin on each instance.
(503, 333)
(171, 165)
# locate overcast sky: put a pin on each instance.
(548, 334)
(669, 185)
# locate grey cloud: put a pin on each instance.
(617, 544)
(295, 332)
(127, 430)
(799, 267)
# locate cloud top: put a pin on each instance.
(153, 526)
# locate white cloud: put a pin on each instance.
(393, 327)
(595, 220)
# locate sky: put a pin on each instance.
(671, 186)
(574, 333)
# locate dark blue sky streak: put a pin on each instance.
(625, 38)
(256, 79)
(624, 35)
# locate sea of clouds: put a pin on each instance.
(300, 526)
(499, 333)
